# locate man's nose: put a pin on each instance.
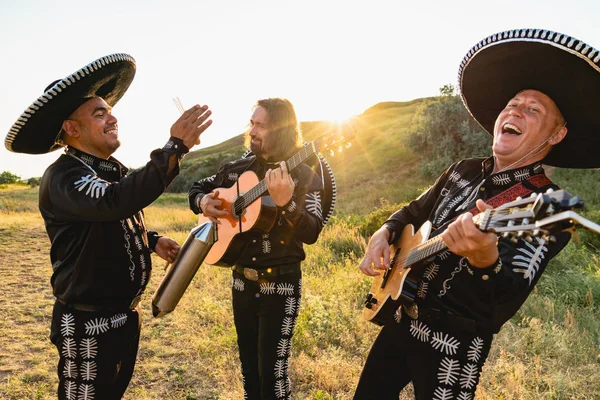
(112, 120)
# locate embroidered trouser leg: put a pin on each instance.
(265, 313)
(97, 352)
(443, 361)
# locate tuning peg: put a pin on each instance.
(340, 149)
(331, 153)
(348, 145)
(532, 195)
(519, 198)
(550, 190)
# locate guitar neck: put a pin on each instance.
(425, 250)
(261, 187)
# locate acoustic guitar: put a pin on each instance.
(540, 215)
(249, 207)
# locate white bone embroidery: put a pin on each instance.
(444, 343)
(449, 371)
(530, 259)
(96, 187)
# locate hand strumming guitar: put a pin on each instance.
(377, 255)
(280, 185)
(209, 204)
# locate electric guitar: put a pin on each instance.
(539, 215)
(248, 207)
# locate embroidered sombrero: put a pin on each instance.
(564, 68)
(36, 130)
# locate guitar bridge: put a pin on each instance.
(387, 273)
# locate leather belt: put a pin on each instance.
(95, 308)
(265, 273)
(432, 315)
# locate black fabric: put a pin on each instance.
(265, 313)
(442, 360)
(490, 296)
(100, 251)
(97, 352)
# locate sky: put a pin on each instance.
(332, 59)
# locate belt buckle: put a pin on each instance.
(134, 303)
(251, 274)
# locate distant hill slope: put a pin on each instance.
(377, 166)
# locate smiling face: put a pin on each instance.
(259, 133)
(526, 130)
(93, 129)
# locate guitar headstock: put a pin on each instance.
(539, 215)
(336, 139)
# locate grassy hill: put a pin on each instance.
(365, 173)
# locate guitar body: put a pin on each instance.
(398, 285)
(259, 215)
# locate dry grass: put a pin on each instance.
(549, 350)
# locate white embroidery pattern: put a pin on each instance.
(70, 369)
(280, 389)
(69, 348)
(422, 289)
(431, 271)
(398, 315)
(118, 320)
(285, 289)
(444, 343)
(280, 368)
(530, 259)
(444, 255)
(70, 390)
(449, 371)
(88, 348)
(128, 248)
(138, 242)
(67, 325)
(420, 331)
(474, 353)
(442, 394)
(96, 188)
(521, 174)
(267, 287)
(465, 396)
(443, 216)
(444, 192)
(237, 284)
(266, 246)
(313, 204)
(501, 179)
(462, 183)
(282, 347)
(96, 326)
(106, 166)
(88, 370)
(292, 206)
(287, 326)
(86, 392)
(232, 176)
(454, 176)
(290, 306)
(445, 286)
(209, 179)
(468, 377)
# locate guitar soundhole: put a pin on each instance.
(238, 208)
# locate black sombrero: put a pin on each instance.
(562, 67)
(36, 130)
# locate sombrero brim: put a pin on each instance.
(564, 68)
(36, 129)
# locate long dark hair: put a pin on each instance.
(284, 129)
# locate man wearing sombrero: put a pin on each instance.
(535, 91)
(100, 248)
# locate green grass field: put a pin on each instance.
(549, 350)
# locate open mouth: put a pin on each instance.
(113, 131)
(511, 129)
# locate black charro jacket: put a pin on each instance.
(300, 221)
(100, 248)
(489, 296)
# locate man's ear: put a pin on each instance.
(71, 128)
(558, 136)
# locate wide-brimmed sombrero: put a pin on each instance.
(36, 130)
(564, 68)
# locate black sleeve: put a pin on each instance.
(204, 186)
(304, 212)
(417, 211)
(77, 194)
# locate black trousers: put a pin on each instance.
(97, 351)
(441, 358)
(265, 313)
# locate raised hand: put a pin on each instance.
(191, 124)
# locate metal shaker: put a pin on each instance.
(181, 272)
